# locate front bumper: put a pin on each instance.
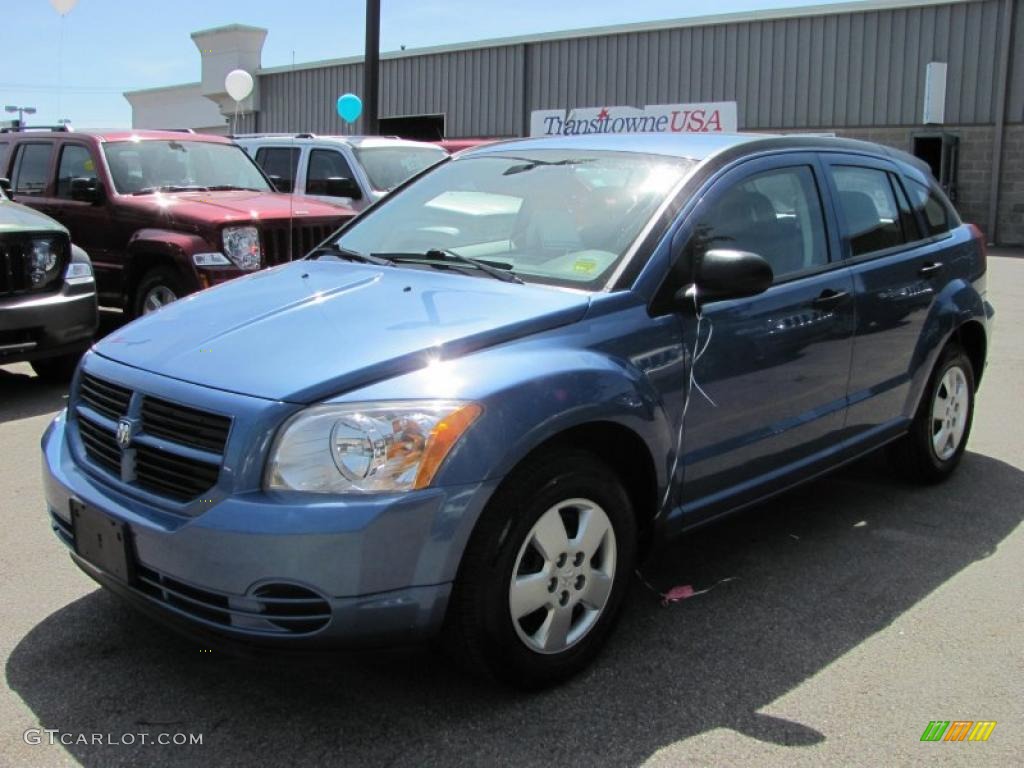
(44, 325)
(370, 571)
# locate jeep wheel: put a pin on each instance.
(545, 571)
(158, 288)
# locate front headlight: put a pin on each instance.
(42, 261)
(242, 246)
(366, 447)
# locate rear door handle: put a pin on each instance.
(929, 269)
(830, 298)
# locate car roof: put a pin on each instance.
(123, 134)
(355, 141)
(695, 146)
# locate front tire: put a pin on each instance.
(56, 370)
(545, 571)
(933, 447)
(158, 288)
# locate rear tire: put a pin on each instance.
(159, 286)
(555, 546)
(932, 449)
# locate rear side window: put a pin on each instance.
(325, 164)
(3, 157)
(937, 216)
(869, 209)
(31, 167)
(75, 163)
(281, 164)
(775, 214)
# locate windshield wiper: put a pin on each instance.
(531, 164)
(229, 187)
(501, 272)
(170, 188)
(349, 255)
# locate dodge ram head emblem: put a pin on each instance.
(124, 433)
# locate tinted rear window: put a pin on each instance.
(869, 209)
(31, 168)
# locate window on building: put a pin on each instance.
(75, 163)
(281, 164)
(776, 214)
(326, 164)
(31, 167)
(868, 206)
(937, 216)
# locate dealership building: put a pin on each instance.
(943, 80)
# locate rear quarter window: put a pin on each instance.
(3, 159)
(31, 168)
(938, 217)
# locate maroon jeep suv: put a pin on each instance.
(161, 213)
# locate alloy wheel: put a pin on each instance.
(949, 413)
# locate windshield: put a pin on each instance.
(557, 217)
(387, 167)
(150, 165)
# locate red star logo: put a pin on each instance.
(603, 114)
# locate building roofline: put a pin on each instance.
(228, 28)
(854, 6)
(160, 88)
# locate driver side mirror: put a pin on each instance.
(281, 184)
(730, 274)
(341, 186)
(86, 189)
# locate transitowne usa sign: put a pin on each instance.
(704, 117)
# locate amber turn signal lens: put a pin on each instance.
(442, 438)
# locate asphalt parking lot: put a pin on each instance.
(860, 608)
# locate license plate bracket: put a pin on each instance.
(102, 541)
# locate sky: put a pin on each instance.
(78, 66)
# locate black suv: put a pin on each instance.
(48, 311)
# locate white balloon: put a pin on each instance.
(238, 84)
(63, 7)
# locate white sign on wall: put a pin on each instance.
(704, 117)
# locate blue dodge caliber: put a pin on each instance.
(470, 411)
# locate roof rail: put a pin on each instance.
(272, 136)
(172, 130)
(63, 128)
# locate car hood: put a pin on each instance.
(15, 217)
(236, 206)
(312, 329)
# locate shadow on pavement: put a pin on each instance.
(819, 571)
(23, 394)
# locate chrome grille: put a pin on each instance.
(176, 453)
(188, 426)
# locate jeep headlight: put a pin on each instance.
(42, 261)
(366, 447)
(242, 246)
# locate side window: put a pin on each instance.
(31, 167)
(75, 163)
(776, 214)
(868, 206)
(937, 216)
(3, 157)
(326, 164)
(280, 163)
(907, 220)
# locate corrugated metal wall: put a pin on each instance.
(840, 70)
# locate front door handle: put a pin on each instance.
(830, 298)
(929, 269)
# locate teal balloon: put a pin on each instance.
(350, 107)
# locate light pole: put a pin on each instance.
(371, 68)
(22, 111)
